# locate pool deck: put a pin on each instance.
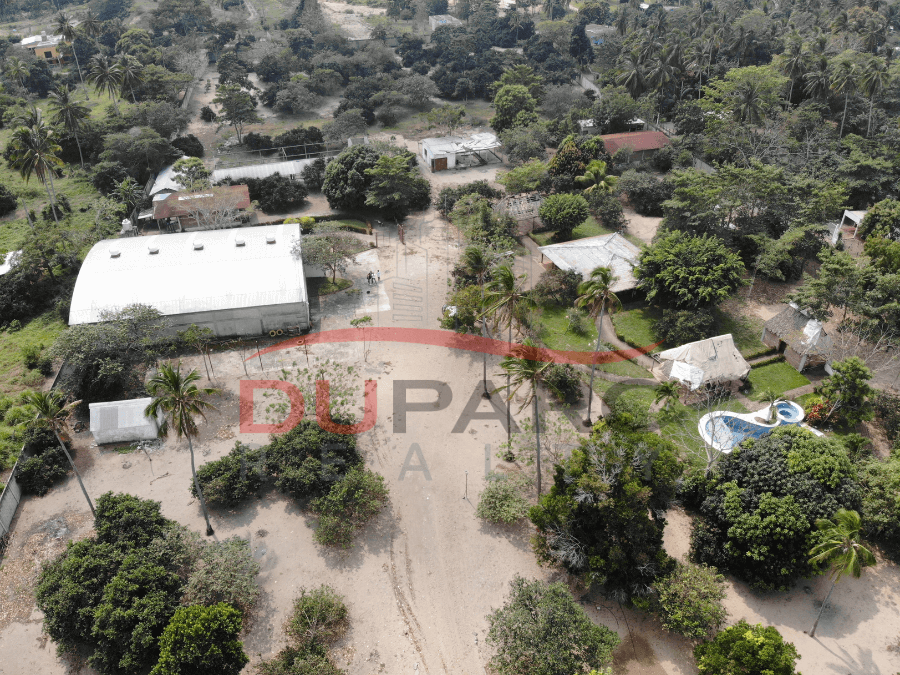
(723, 429)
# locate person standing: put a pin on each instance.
(379, 276)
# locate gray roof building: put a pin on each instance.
(607, 250)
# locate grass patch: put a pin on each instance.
(635, 326)
(42, 330)
(589, 228)
(780, 377)
(745, 328)
(326, 287)
(350, 224)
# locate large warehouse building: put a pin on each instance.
(242, 281)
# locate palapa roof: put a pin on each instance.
(635, 140)
(800, 331)
(709, 361)
(607, 250)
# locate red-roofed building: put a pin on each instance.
(643, 144)
(209, 209)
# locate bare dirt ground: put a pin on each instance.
(351, 18)
(642, 227)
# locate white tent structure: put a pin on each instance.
(711, 361)
(122, 421)
(854, 217)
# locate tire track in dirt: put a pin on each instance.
(406, 610)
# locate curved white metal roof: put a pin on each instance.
(180, 278)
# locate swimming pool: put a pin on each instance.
(723, 429)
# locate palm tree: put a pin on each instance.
(69, 113)
(667, 392)
(35, 152)
(52, 412)
(793, 63)
(17, 69)
(130, 72)
(747, 100)
(90, 24)
(663, 70)
(523, 370)
(631, 74)
(66, 28)
(477, 262)
(842, 549)
(106, 76)
(596, 294)
(129, 191)
(770, 396)
(817, 82)
(181, 402)
(844, 81)
(875, 78)
(596, 179)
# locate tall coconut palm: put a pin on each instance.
(747, 102)
(130, 72)
(524, 371)
(597, 296)
(69, 113)
(180, 402)
(505, 299)
(106, 76)
(817, 80)
(52, 412)
(845, 76)
(477, 261)
(770, 396)
(17, 69)
(66, 27)
(91, 25)
(793, 63)
(874, 79)
(632, 75)
(35, 152)
(842, 549)
(596, 179)
(663, 69)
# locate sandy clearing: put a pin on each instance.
(642, 227)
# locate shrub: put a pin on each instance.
(319, 617)
(128, 521)
(743, 648)
(275, 193)
(501, 501)
(887, 408)
(202, 641)
(880, 483)
(562, 380)
(232, 479)
(225, 573)
(8, 201)
(680, 326)
(107, 175)
(689, 601)
(541, 630)
(207, 114)
(189, 145)
(557, 286)
(37, 474)
(31, 355)
(61, 208)
(564, 213)
(606, 208)
(448, 197)
(313, 175)
(467, 301)
(348, 506)
(629, 412)
(645, 193)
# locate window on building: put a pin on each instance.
(48, 55)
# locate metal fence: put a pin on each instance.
(9, 504)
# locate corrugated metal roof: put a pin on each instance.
(292, 167)
(179, 279)
(607, 250)
(450, 145)
(122, 421)
(635, 140)
(165, 180)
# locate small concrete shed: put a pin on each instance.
(122, 421)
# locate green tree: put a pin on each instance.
(447, 115)
(330, 249)
(191, 173)
(875, 77)
(668, 392)
(69, 113)
(848, 391)
(525, 178)
(689, 601)
(750, 94)
(844, 80)
(202, 641)
(35, 152)
(524, 371)
(596, 295)
(350, 503)
(106, 76)
(743, 649)
(131, 73)
(541, 630)
(595, 178)
(237, 107)
(396, 188)
(563, 213)
(513, 105)
(523, 75)
(841, 549)
(16, 69)
(346, 182)
(688, 272)
(882, 220)
(63, 25)
(770, 396)
(52, 412)
(180, 402)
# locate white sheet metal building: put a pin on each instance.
(607, 250)
(122, 421)
(292, 169)
(236, 282)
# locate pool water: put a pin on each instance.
(724, 430)
(789, 412)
